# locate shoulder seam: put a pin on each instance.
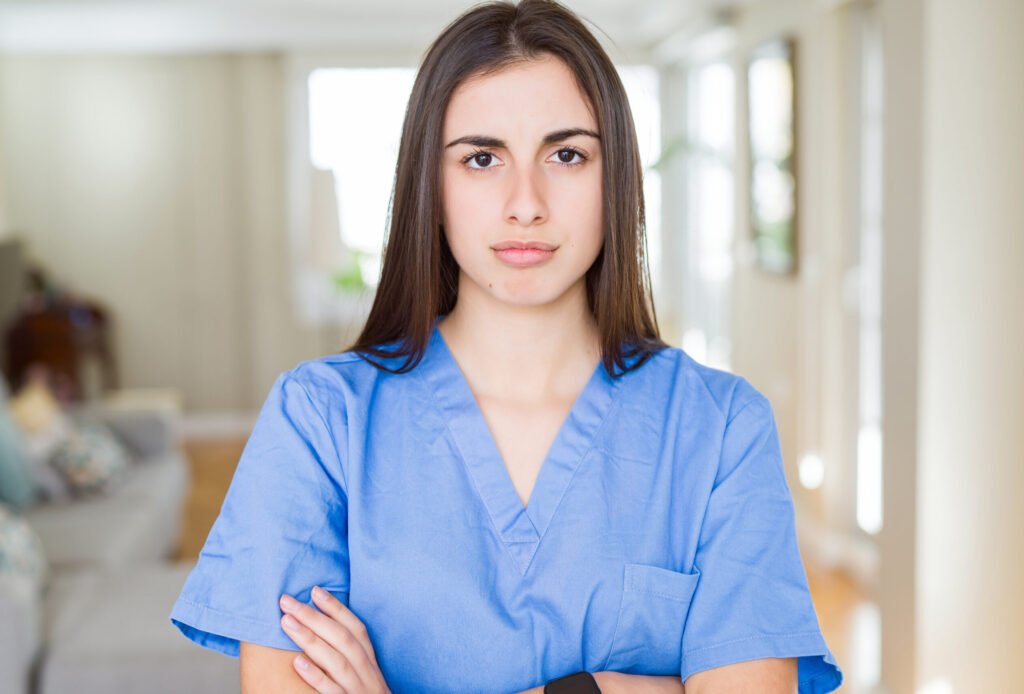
(290, 375)
(756, 398)
(687, 359)
(305, 391)
(727, 413)
(338, 358)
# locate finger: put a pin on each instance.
(332, 657)
(342, 630)
(355, 646)
(337, 610)
(315, 677)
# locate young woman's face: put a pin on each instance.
(522, 165)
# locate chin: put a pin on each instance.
(533, 287)
(523, 296)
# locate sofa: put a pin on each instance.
(98, 623)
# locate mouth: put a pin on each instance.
(524, 254)
(520, 245)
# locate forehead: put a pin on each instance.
(531, 97)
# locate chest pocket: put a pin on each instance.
(649, 632)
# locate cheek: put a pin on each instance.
(465, 212)
(581, 206)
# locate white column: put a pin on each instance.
(901, 242)
(970, 534)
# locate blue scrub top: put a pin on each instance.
(659, 538)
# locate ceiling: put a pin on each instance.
(357, 26)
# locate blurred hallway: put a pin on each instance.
(834, 209)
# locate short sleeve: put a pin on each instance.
(281, 529)
(753, 600)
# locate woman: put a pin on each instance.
(510, 479)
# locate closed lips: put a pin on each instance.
(523, 245)
(521, 254)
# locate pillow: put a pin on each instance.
(22, 561)
(40, 447)
(91, 459)
(34, 407)
(17, 487)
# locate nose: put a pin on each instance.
(526, 203)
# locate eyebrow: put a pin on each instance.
(549, 139)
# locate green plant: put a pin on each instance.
(349, 279)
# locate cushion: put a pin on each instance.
(34, 407)
(108, 631)
(139, 522)
(22, 562)
(17, 487)
(44, 428)
(39, 448)
(91, 459)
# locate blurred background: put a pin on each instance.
(193, 198)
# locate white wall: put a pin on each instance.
(795, 337)
(953, 319)
(156, 184)
(782, 341)
(970, 534)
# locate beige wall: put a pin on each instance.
(971, 521)
(156, 184)
(5, 229)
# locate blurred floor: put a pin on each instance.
(846, 618)
(837, 599)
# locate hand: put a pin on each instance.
(338, 656)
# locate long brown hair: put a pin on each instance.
(419, 277)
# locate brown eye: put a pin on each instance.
(567, 154)
(479, 161)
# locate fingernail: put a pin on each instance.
(302, 662)
(318, 593)
(288, 603)
(290, 622)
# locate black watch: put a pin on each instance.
(576, 683)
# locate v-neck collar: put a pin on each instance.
(520, 528)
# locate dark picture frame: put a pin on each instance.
(772, 137)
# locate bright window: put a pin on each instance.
(869, 439)
(355, 123)
(641, 84)
(709, 222)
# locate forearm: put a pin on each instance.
(621, 683)
(617, 682)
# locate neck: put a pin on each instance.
(523, 353)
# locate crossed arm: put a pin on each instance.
(765, 676)
(270, 670)
(343, 662)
